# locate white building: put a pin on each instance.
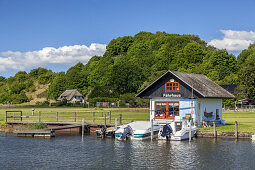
(178, 95)
(71, 96)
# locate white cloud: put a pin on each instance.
(234, 41)
(49, 55)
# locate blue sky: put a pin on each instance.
(56, 34)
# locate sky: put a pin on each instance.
(56, 34)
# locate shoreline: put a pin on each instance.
(198, 134)
(220, 134)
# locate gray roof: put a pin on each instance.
(200, 83)
(69, 94)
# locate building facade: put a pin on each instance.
(179, 96)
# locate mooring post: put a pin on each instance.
(5, 116)
(21, 116)
(82, 130)
(151, 129)
(116, 122)
(120, 119)
(74, 116)
(39, 116)
(190, 125)
(57, 116)
(93, 117)
(105, 120)
(236, 130)
(214, 130)
(109, 114)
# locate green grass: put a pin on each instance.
(128, 114)
(246, 120)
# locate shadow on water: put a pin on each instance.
(69, 152)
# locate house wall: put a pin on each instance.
(195, 107)
(73, 100)
(208, 105)
(185, 106)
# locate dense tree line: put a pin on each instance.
(131, 62)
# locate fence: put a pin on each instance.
(50, 116)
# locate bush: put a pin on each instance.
(38, 125)
(38, 103)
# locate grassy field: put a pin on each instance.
(67, 114)
(246, 120)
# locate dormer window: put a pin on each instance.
(172, 87)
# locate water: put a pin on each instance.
(68, 152)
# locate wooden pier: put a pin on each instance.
(55, 121)
(35, 133)
(59, 128)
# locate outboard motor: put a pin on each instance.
(126, 133)
(103, 130)
(166, 132)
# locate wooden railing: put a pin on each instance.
(74, 115)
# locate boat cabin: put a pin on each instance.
(179, 96)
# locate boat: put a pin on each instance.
(177, 130)
(106, 132)
(138, 130)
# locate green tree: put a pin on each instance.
(247, 76)
(57, 86)
(127, 77)
(35, 73)
(76, 78)
(219, 62)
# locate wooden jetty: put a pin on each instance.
(35, 133)
(16, 118)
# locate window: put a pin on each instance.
(172, 87)
(160, 110)
(166, 110)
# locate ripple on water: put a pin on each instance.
(68, 152)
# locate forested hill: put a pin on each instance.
(132, 62)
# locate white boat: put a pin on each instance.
(138, 130)
(177, 130)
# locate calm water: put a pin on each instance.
(68, 152)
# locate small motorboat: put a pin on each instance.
(138, 130)
(106, 132)
(177, 130)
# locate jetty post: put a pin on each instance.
(82, 130)
(105, 120)
(236, 130)
(214, 130)
(120, 119)
(109, 115)
(151, 129)
(116, 122)
(190, 123)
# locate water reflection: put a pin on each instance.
(68, 152)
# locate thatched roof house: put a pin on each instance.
(71, 96)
